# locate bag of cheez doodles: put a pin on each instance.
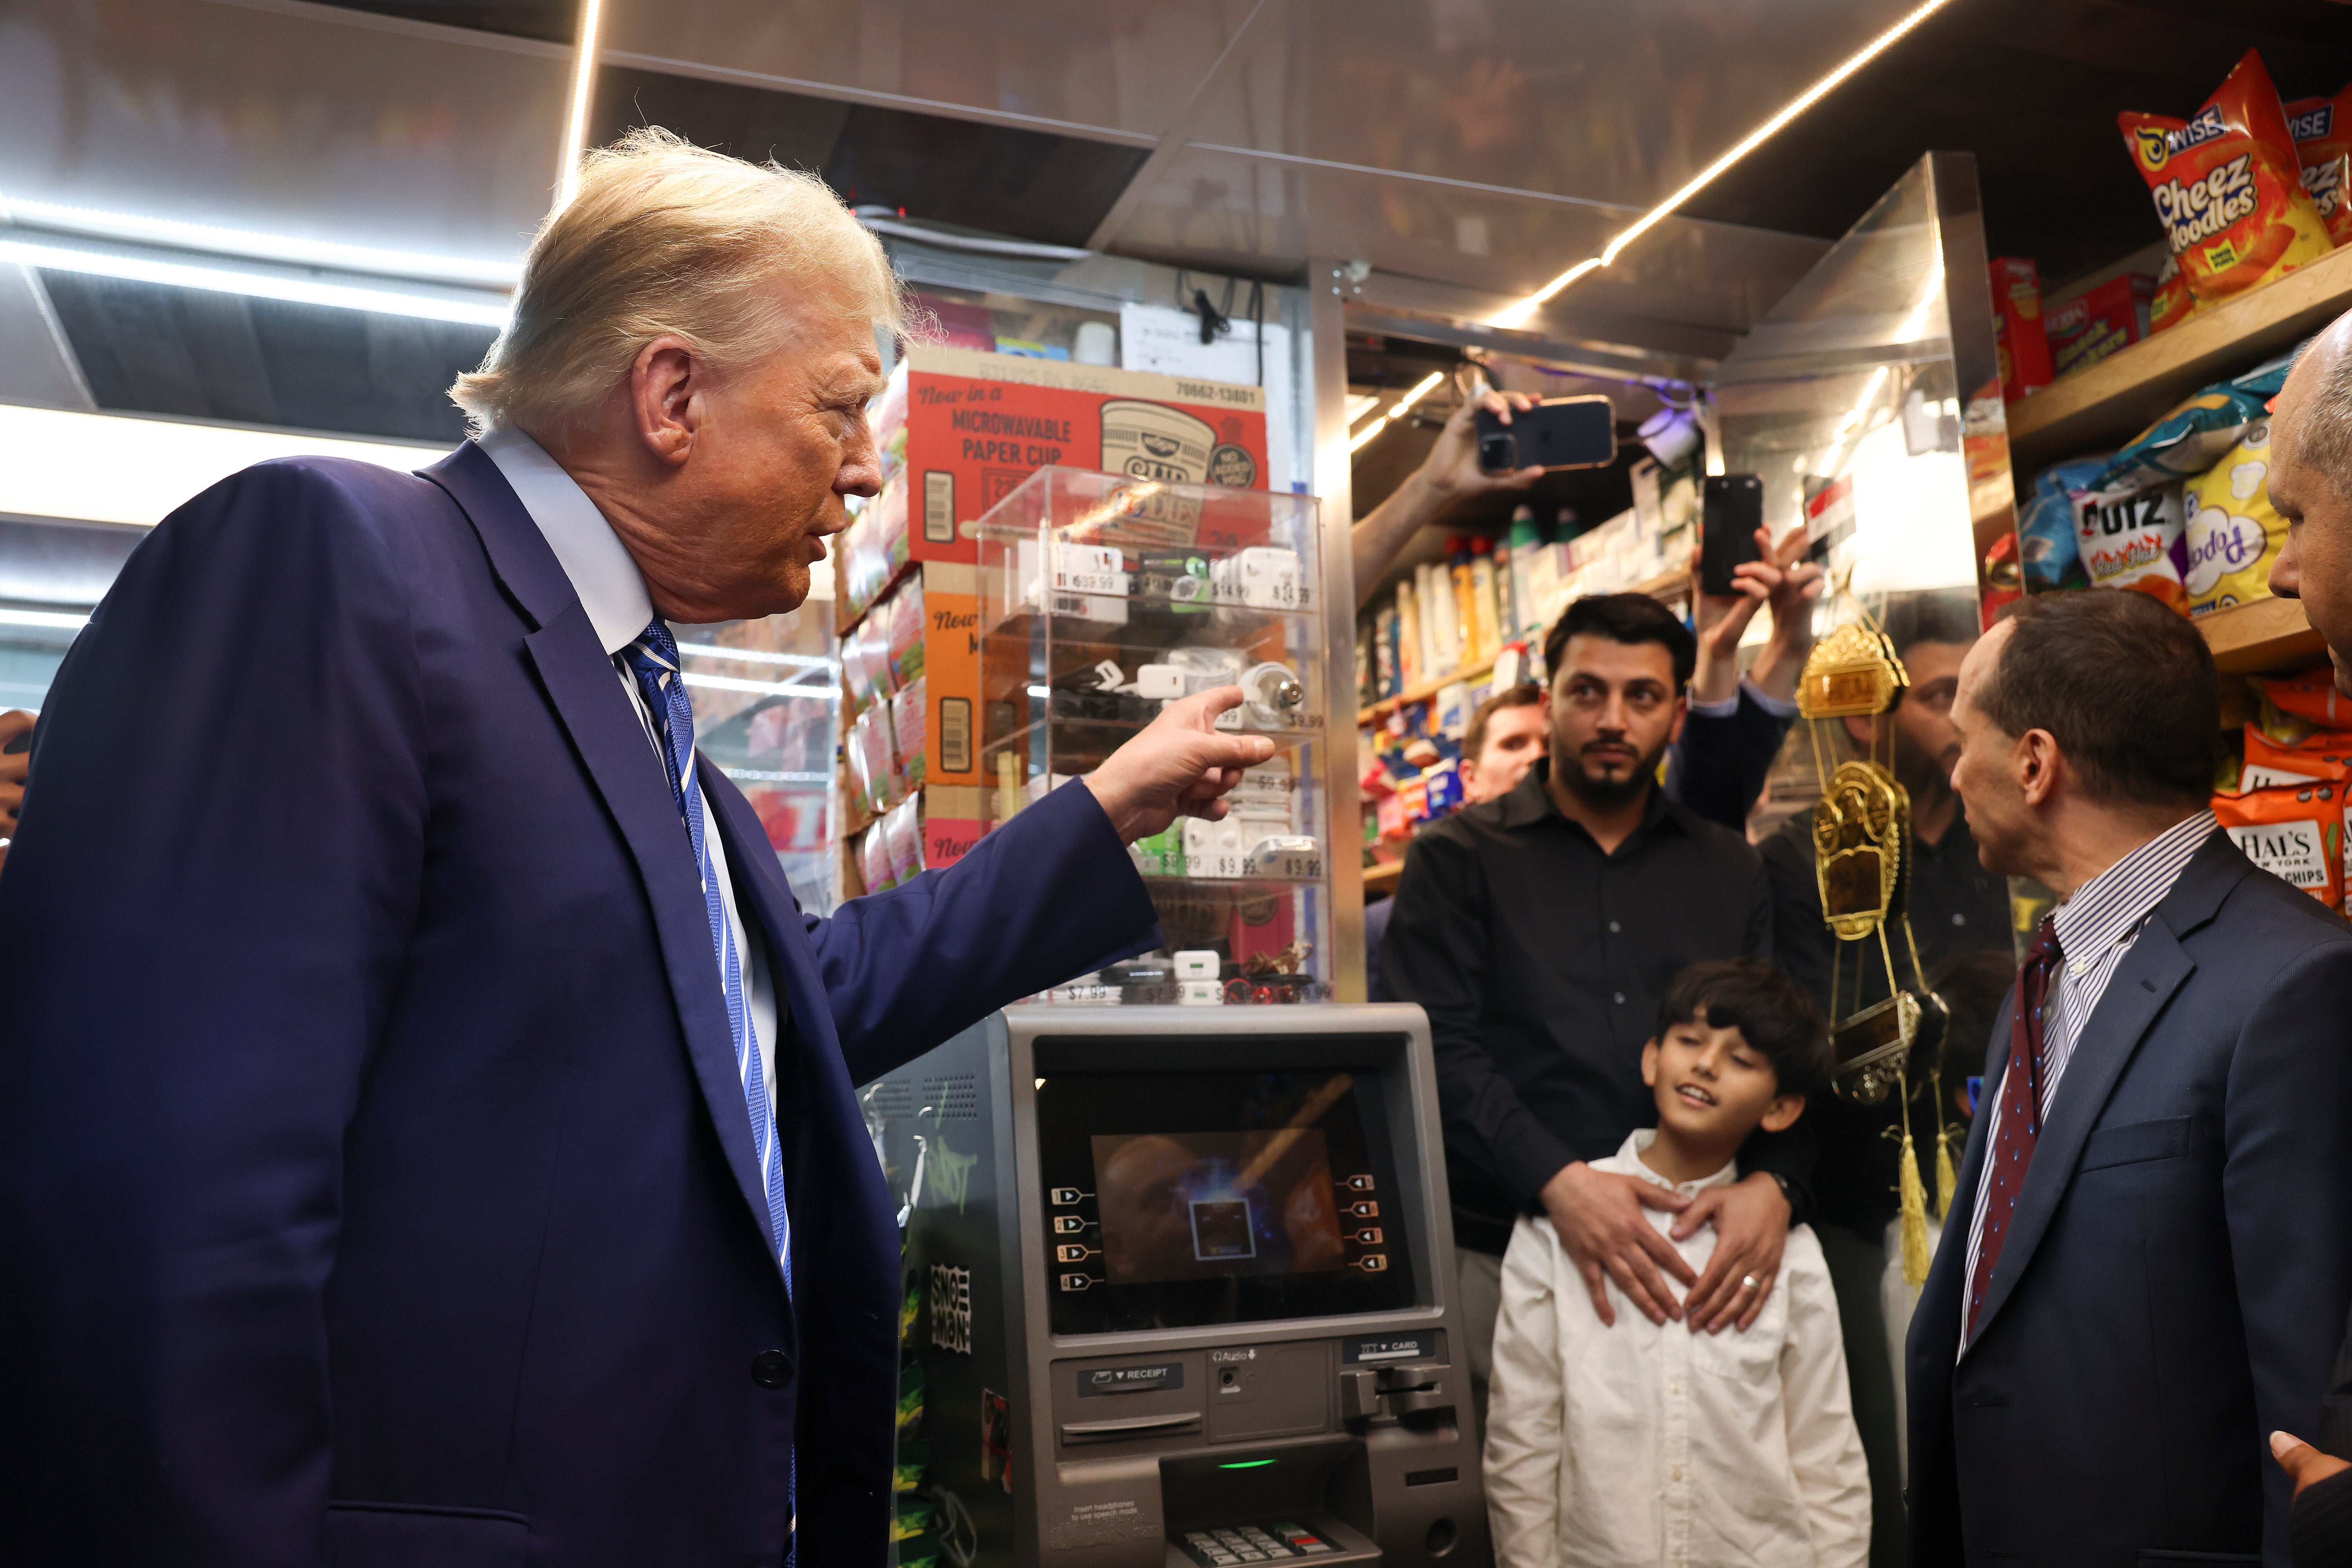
(2322, 128)
(2228, 186)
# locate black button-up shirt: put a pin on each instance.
(1957, 907)
(1541, 962)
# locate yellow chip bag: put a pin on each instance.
(2232, 533)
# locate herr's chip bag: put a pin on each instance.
(2296, 834)
(2322, 128)
(2232, 532)
(2228, 186)
(2311, 697)
(2135, 539)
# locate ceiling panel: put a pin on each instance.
(296, 120)
(1126, 66)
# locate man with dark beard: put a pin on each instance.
(1538, 930)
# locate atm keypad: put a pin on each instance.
(1280, 1542)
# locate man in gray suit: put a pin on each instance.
(2150, 1254)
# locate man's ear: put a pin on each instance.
(1782, 1113)
(1682, 712)
(1650, 1063)
(665, 380)
(2037, 760)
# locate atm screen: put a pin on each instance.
(1175, 1200)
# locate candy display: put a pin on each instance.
(2228, 186)
(2322, 128)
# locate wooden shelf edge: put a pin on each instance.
(2264, 637)
(1382, 879)
(2107, 404)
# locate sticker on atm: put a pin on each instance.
(1098, 1380)
(1390, 1347)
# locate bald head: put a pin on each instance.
(2310, 482)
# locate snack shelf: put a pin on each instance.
(2262, 637)
(2113, 400)
(1666, 584)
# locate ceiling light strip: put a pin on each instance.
(1422, 389)
(575, 121)
(1518, 315)
(101, 224)
(757, 654)
(65, 258)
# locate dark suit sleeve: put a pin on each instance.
(1722, 763)
(201, 929)
(1048, 895)
(2323, 1523)
(2336, 1416)
(1436, 955)
(2286, 1188)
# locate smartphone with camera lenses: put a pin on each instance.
(1560, 433)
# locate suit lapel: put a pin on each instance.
(588, 699)
(2142, 983)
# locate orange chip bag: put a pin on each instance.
(2296, 834)
(2312, 696)
(2322, 128)
(2173, 302)
(2228, 186)
(2323, 757)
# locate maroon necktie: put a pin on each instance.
(2021, 1111)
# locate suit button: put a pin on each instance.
(771, 1369)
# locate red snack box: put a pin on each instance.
(2017, 328)
(2092, 325)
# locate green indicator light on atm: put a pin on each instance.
(1245, 1465)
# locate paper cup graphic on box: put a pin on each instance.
(1153, 441)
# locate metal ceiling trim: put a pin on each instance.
(1172, 142)
(1515, 193)
(1611, 362)
(403, 26)
(833, 91)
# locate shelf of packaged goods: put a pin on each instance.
(1666, 585)
(1381, 880)
(2261, 637)
(2114, 400)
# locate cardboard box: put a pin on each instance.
(2018, 327)
(2088, 328)
(958, 429)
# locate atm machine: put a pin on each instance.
(1179, 1292)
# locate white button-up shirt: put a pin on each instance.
(1636, 1445)
(613, 591)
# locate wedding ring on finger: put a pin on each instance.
(1748, 1282)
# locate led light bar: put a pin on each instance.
(18, 246)
(757, 654)
(575, 121)
(764, 687)
(1421, 389)
(1519, 315)
(278, 247)
(52, 620)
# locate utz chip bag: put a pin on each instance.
(2296, 834)
(2311, 697)
(2135, 539)
(2322, 128)
(2228, 186)
(2172, 304)
(2232, 532)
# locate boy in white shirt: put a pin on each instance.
(1642, 1445)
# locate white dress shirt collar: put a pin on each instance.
(1629, 1154)
(611, 588)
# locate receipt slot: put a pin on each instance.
(1180, 1293)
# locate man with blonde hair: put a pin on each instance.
(425, 1126)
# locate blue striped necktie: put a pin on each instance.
(653, 660)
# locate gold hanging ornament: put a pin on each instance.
(1862, 854)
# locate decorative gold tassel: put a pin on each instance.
(1947, 1180)
(1915, 1199)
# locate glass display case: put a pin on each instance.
(1103, 598)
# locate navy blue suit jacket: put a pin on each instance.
(375, 1187)
(2178, 1265)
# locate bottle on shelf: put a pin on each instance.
(1486, 595)
(1466, 645)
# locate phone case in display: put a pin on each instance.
(1104, 598)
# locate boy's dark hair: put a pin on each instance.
(1775, 1015)
(1475, 740)
(2124, 685)
(1628, 619)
